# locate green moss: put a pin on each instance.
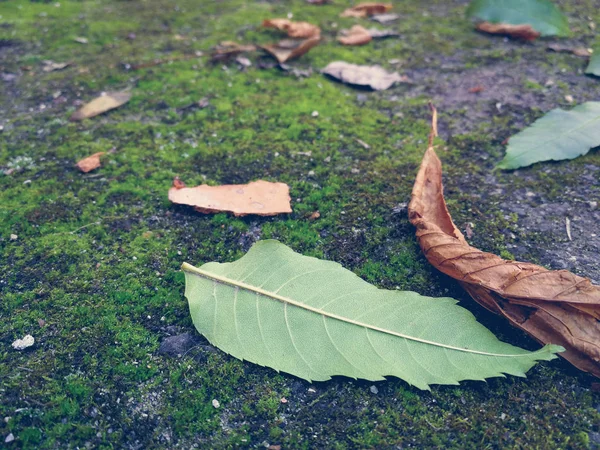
(96, 261)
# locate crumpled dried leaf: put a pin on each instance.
(260, 197)
(577, 51)
(524, 32)
(374, 77)
(357, 35)
(90, 163)
(229, 49)
(110, 100)
(385, 18)
(367, 9)
(51, 66)
(302, 30)
(287, 49)
(553, 306)
(377, 34)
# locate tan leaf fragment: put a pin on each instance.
(287, 49)
(90, 163)
(367, 9)
(553, 306)
(260, 197)
(374, 77)
(110, 100)
(524, 32)
(356, 35)
(229, 49)
(51, 66)
(303, 30)
(577, 51)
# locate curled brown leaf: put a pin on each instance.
(287, 49)
(303, 30)
(229, 49)
(553, 306)
(367, 9)
(524, 32)
(356, 35)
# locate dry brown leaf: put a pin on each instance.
(110, 100)
(374, 77)
(525, 31)
(367, 9)
(51, 66)
(385, 18)
(577, 51)
(356, 35)
(260, 197)
(90, 163)
(553, 306)
(228, 49)
(287, 49)
(303, 30)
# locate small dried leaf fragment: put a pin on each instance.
(260, 197)
(51, 66)
(110, 100)
(356, 35)
(287, 49)
(553, 306)
(303, 30)
(524, 32)
(90, 163)
(374, 77)
(229, 49)
(367, 9)
(577, 51)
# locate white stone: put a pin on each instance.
(22, 344)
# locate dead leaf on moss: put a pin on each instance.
(356, 35)
(262, 198)
(385, 18)
(553, 306)
(524, 32)
(287, 49)
(374, 77)
(229, 49)
(577, 51)
(367, 9)
(110, 100)
(90, 163)
(51, 66)
(302, 30)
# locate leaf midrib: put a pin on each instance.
(217, 278)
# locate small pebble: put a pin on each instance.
(216, 403)
(9, 438)
(315, 114)
(14, 237)
(22, 344)
(569, 98)
(374, 389)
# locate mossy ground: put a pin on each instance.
(97, 256)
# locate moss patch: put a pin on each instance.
(94, 271)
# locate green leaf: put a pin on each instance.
(558, 135)
(542, 15)
(314, 319)
(593, 67)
